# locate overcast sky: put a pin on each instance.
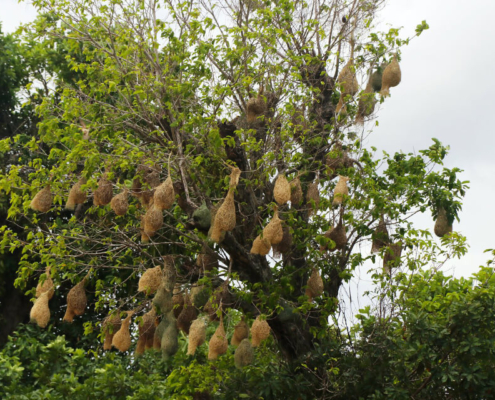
(446, 93)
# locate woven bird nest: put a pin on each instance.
(122, 338)
(261, 246)
(391, 77)
(241, 332)
(40, 312)
(47, 286)
(380, 237)
(76, 195)
(341, 191)
(218, 343)
(260, 331)
(274, 231)
(43, 200)
(197, 335)
(442, 225)
(76, 301)
(281, 191)
(296, 193)
(315, 285)
(244, 354)
(150, 280)
(103, 195)
(391, 257)
(119, 203)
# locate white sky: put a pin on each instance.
(445, 93)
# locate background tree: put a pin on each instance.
(190, 91)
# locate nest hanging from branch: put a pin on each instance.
(43, 200)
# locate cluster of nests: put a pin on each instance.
(380, 80)
(155, 199)
(171, 311)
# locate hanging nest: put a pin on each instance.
(285, 245)
(215, 233)
(169, 272)
(341, 191)
(315, 285)
(234, 177)
(225, 218)
(178, 300)
(256, 107)
(150, 280)
(164, 196)
(376, 78)
(187, 315)
(391, 77)
(40, 312)
(157, 338)
(349, 84)
(122, 338)
(119, 203)
(442, 225)
(170, 337)
(274, 231)
(281, 191)
(76, 195)
(103, 195)
(197, 335)
(111, 325)
(313, 196)
(150, 176)
(43, 200)
(338, 235)
(244, 354)
(296, 193)
(153, 220)
(202, 217)
(76, 301)
(218, 343)
(241, 332)
(380, 237)
(261, 246)
(146, 331)
(391, 257)
(366, 105)
(260, 330)
(47, 286)
(163, 298)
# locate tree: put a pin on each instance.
(222, 102)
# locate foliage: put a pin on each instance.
(129, 90)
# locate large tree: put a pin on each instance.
(189, 93)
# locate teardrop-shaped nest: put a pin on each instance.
(170, 337)
(281, 191)
(256, 107)
(341, 191)
(164, 196)
(76, 195)
(197, 335)
(225, 217)
(103, 195)
(76, 301)
(47, 286)
(261, 246)
(284, 247)
(153, 220)
(234, 177)
(260, 331)
(43, 200)
(338, 235)
(392, 76)
(110, 327)
(313, 197)
(376, 78)
(274, 231)
(241, 332)
(150, 280)
(122, 338)
(178, 300)
(366, 105)
(380, 237)
(169, 272)
(119, 203)
(244, 354)
(202, 217)
(218, 343)
(296, 193)
(147, 328)
(187, 315)
(40, 312)
(391, 257)
(442, 225)
(315, 285)
(163, 299)
(347, 78)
